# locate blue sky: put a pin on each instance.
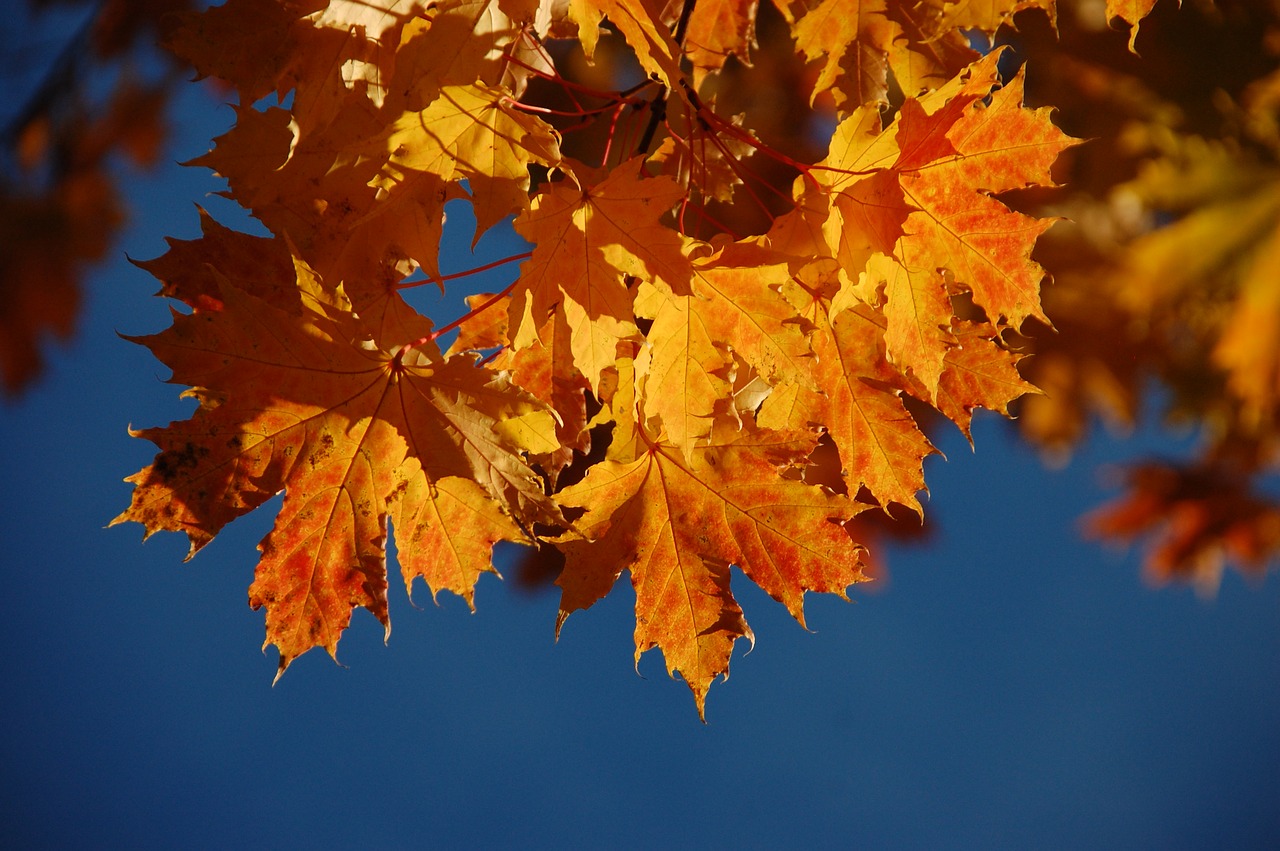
(1012, 687)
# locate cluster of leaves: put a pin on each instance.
(647, 394)
(99, 94)
(1168, 271)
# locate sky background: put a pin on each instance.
(1013, 686)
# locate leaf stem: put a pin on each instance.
(613, 129)
(488, 303)
(452, 276)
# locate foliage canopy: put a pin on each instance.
(773, 246)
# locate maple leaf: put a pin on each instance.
(734, 308)
(352, 435)
(678, 520)
(326, 170)
(985, 245)
(193, 271)
(588, 239)
(300, 184)
(860, 405)
(978, 373)
(917, 196)
(252, 59)
(319, 51)
(484, 326)
(926, 55)
(470, 133)
(852, 40)
(918, 313)
(907, 215)
(466, 42)
(1199, 515)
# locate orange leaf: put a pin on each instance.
(918, 312)
(677, 521)
(919, 195)
(880, 444)
(978, 373)
(309, 405)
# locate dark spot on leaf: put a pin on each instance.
(323, 451)
(175, 462)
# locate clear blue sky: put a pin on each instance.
(1013, 687)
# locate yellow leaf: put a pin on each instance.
(588, 241)
(470, 133)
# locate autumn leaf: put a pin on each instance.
(532, 369)
(588, 240)
(917, 307)
(860, 406)
(298, 187)
(677, 521)
(978, 372)
(953, 159)
(469, 133)
(863, 45)
(352, 435)
(640, 24)
(322, 170)
(194, 271)
(465, 42)
(735, 307)
(910, 213)
(256, 60)
(1198, 518)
